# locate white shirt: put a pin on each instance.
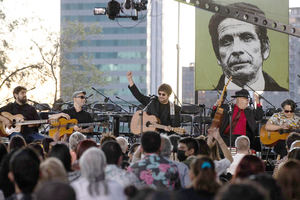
(236, 160)
(221, 166)
(115, 190)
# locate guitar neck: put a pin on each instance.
(32, 122)
(88, 124)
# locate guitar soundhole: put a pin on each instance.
(148, 124)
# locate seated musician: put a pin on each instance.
(20, 106)
(76, 112)
(161, 107)
(243, 119)
(285, 120)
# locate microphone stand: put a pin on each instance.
(108, 99)
(152, 98)
(230, 123)
(133, 105)
(42, 105)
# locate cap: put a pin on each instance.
(77, 93)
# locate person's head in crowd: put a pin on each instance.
(166, 146)
(3, 151)
(294, 154)
(24, 170)
(249, 165)
(203, 175)
(123, 143)
(289, 180)
(132, 149)
(204, 149)
(291, 138)
(46, 144)
(37, 147)
(113, 153)
(151, 142)
(61, 152)
(143, 194)
(83, 146)
(269, 184)
(107, 137)
(92, 165)
(289, 107)
(74, 140)
(245, 190)
(6, 185)
(52, 169)
(242, 144)
(187, 146)
(16, 142)
(57, 189)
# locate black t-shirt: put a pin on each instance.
(27, 111)
(82, 116)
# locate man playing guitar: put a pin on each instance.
(28, 112)
(161, 107)
(284, 120)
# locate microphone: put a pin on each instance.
(127, 4)
(89, 96)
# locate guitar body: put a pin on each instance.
(150, 123)
(6, 131)
(135, 124)
(270, 138)
(63, 126)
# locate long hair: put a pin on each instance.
(249, 165)
(289, 180)
(92, 165)
(203, 169)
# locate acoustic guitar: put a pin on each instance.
(150, 123)
(64, 126)
(270, 138)
(17, 123)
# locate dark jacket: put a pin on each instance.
(252, 115)
(155, 108)
(270, 83)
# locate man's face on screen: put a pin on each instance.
(240, 49)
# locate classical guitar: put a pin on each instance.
(17, 123)
(150, 123)
(216, 122)
(270, 138)
(64, 126)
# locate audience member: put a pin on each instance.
(46, 145)
(107, 137)
(83, 146)
(289, 180)
(249, 165)
(132, 149)
(92, 184)
(52, 169)
(3, 151)
(16, 142)
(113, 153)
(187, 150)
(6, 185)
(74, 140)
(55, 190)
(154, 170)
(24, 173)
(204, 180)
(183, 170)
(242, 144)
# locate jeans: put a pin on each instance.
(28, 137)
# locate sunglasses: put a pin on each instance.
(81, 97)
(161, 94)
(288, 111)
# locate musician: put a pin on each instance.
(284, 120)
(161, 107)
(76, 112)
(243, 119)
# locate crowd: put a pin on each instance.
(159, 167)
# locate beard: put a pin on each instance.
(23, 100)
